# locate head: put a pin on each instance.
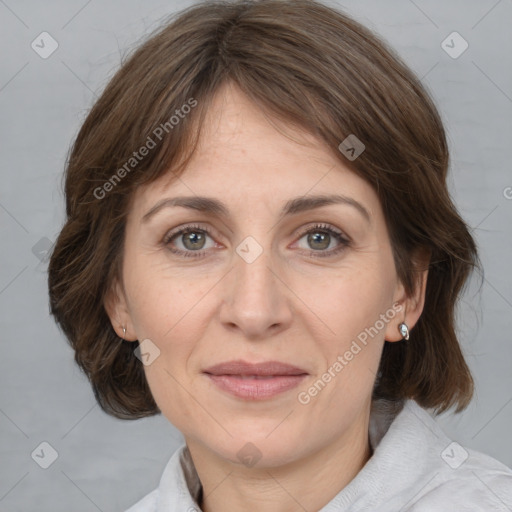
(247, 114)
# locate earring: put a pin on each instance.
(124, 333)
(404, 330)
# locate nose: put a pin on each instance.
(256, 298)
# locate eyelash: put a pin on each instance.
(324, 228)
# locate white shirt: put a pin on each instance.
(415, 467)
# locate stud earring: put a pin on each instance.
(124, 333)
(404, 330)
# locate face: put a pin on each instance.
(260, 279)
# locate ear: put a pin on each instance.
(412, 305)
(117, 310)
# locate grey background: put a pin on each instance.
(107, 464)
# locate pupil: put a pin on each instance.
(193, 238)
(320, 237)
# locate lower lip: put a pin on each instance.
(256, 389)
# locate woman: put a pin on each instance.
(260, 245)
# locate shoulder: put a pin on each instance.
(479, 483)
(427, 471)
(146, 504)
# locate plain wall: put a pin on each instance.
(108, 464)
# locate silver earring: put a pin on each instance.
(404, 330)
(124, 333)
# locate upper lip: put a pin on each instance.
(240, 367)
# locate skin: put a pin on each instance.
(287, 305)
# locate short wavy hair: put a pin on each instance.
(312, 66)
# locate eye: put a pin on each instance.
(320, 237)
(192, 239)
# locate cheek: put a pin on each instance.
(356, 307)
(161, 301)
(176, 329)
(169, 311)
(355, 300)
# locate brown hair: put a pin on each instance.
(307, 64)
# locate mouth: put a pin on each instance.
(258, 381)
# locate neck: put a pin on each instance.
(308, 483)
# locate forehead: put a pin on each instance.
(237, 127)
(245, 155)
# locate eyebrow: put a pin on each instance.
(213, 206)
